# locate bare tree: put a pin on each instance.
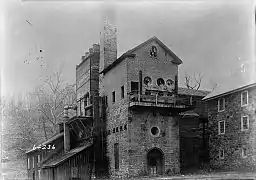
(52, 96)
(193, 82)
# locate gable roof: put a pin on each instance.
(192, 92)
(66, 156)
(230, 87)
(57, 136)
(130, 53)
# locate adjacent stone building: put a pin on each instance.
(232, 127)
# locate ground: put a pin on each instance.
(16, 170)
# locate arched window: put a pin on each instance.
(160, 81)
(169, 82)
(147, 80)
(153, 51)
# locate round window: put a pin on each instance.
(155, 131)
(169, 82)
(147, 80)
(160, 81)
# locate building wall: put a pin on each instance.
(233, 139)
(83, 78)
(44, 154)
(117, 115)
(154, 67)
(141, 141)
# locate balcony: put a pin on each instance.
(158, 99)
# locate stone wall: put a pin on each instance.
(141, 141)
(117, 117)
(154, 67)
(234, 139)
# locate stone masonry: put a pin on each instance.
(234, 139)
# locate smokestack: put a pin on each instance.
(140, 81)
(96, 47)
(66, 131)
(83, 58)
(90, 51)
(108, 45)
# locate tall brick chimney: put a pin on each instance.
(108, 45)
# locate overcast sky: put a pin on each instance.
(208, 35)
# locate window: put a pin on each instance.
(244, 152)
(116, 154)
(116, 129)
(122, 92)
(244, 98)
(221, 154)
(113, 97)
(221, 104)
(221, 127)
(155, 131)
(134, 87)
(147, 81)
(121, 128)
(153, 51)
(160, 81)
(244, 123)
(28, 163)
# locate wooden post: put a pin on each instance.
(66, 130)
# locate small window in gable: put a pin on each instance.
(244, 98)
(153, 51)
(221, 104)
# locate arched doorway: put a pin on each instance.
(155, 161)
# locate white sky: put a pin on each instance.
(207, 35)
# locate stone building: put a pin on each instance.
(128, 116)
(232, 130)
(143, 107)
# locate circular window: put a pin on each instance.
(169, 82)
(155, 131)
(147, 80)
(160, 81)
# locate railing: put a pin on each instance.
(158, 98)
